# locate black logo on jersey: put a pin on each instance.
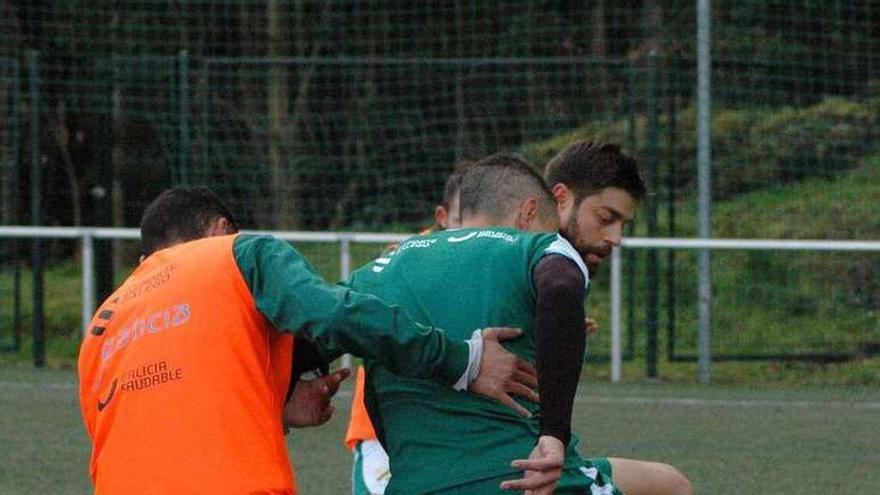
(105, 315)
(103, 403)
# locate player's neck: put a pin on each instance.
(479, 221)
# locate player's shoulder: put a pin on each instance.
(480, 238)
(559, 245)
(494, 234)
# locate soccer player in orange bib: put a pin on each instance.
(185, 368)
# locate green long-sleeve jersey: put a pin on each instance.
(294, 298)
(459, 280)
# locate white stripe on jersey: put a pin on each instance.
(463, 238)
(562, 247)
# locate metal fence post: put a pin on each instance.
(183, 116)
(616, 350)
(672, 142)
(15, 205)
(704, 128)
(101, 195)
(344, 272)
(39, 344)
(204, 135)
(344, 257)
(88, 281)
(16, 298)
(651, 152)
(632, 143)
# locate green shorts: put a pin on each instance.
(603, 464)
(370, 472)
(370, 476)
(592, 477)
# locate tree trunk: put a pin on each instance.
(282, 181)
(9, 177)
(62, 140)
(599, 49)
(462, 142)
(652, 26)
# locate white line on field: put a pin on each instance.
(682, 401)
(694, 402)
(674, 401)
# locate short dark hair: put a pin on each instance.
(453, 182)
(181, 214)
(586, 167)
(492, 186)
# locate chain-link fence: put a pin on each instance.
(347, 115)
(10, 111)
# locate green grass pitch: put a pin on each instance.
(728, 440)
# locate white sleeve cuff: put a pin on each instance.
(475, 356)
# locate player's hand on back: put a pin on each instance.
(310, 404)
(542, 469)
(503, 374)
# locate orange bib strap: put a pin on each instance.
(360, 427)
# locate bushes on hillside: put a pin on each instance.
(752, 148)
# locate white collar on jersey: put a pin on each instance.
(562, 247)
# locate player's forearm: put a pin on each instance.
(365, 326)
(559, 341)
(338, 319)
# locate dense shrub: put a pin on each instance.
(752, 148)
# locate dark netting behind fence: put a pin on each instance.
(348, 115)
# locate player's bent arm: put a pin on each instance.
(294, 298)
(559, 340)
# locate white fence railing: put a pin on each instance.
(704, 358)
(88, 234)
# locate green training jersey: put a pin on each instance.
(294, 298)
(458, 280)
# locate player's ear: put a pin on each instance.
(441, 217)
(528, 214)
(562, 194)
(220, 226)
(564, 199)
